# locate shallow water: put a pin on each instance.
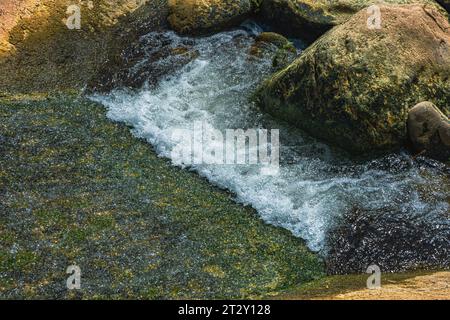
(319, 194)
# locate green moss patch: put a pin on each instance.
(78, 189)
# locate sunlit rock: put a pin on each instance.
(355, 85)
(204, 16)
(310, 19)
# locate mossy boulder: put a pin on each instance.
(354, 86)
(205, 16)
(274, 46)
(309, 19)
(273, 38)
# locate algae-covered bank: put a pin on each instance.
(99, 101)
(77, 189)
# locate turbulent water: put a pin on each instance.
(392, 211)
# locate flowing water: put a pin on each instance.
(393, 211)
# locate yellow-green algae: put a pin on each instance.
(44, 55)
(354, 86)
(76, 188)
(205, 16)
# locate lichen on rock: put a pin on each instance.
(274, 46)
(204, 16)
(310, 19)
(38, 52)
(354, 86)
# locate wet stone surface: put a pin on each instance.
(77, 189)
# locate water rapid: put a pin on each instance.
(393, 210)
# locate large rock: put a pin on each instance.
(355, 85)
(429, 131)
(204, 16)
(309, 19)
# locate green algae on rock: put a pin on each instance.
(354, 86)
(277, 47)
(76, 188)
(205, 16)
(310, 19)
(41, 54)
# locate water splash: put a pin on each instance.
(317, 186)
